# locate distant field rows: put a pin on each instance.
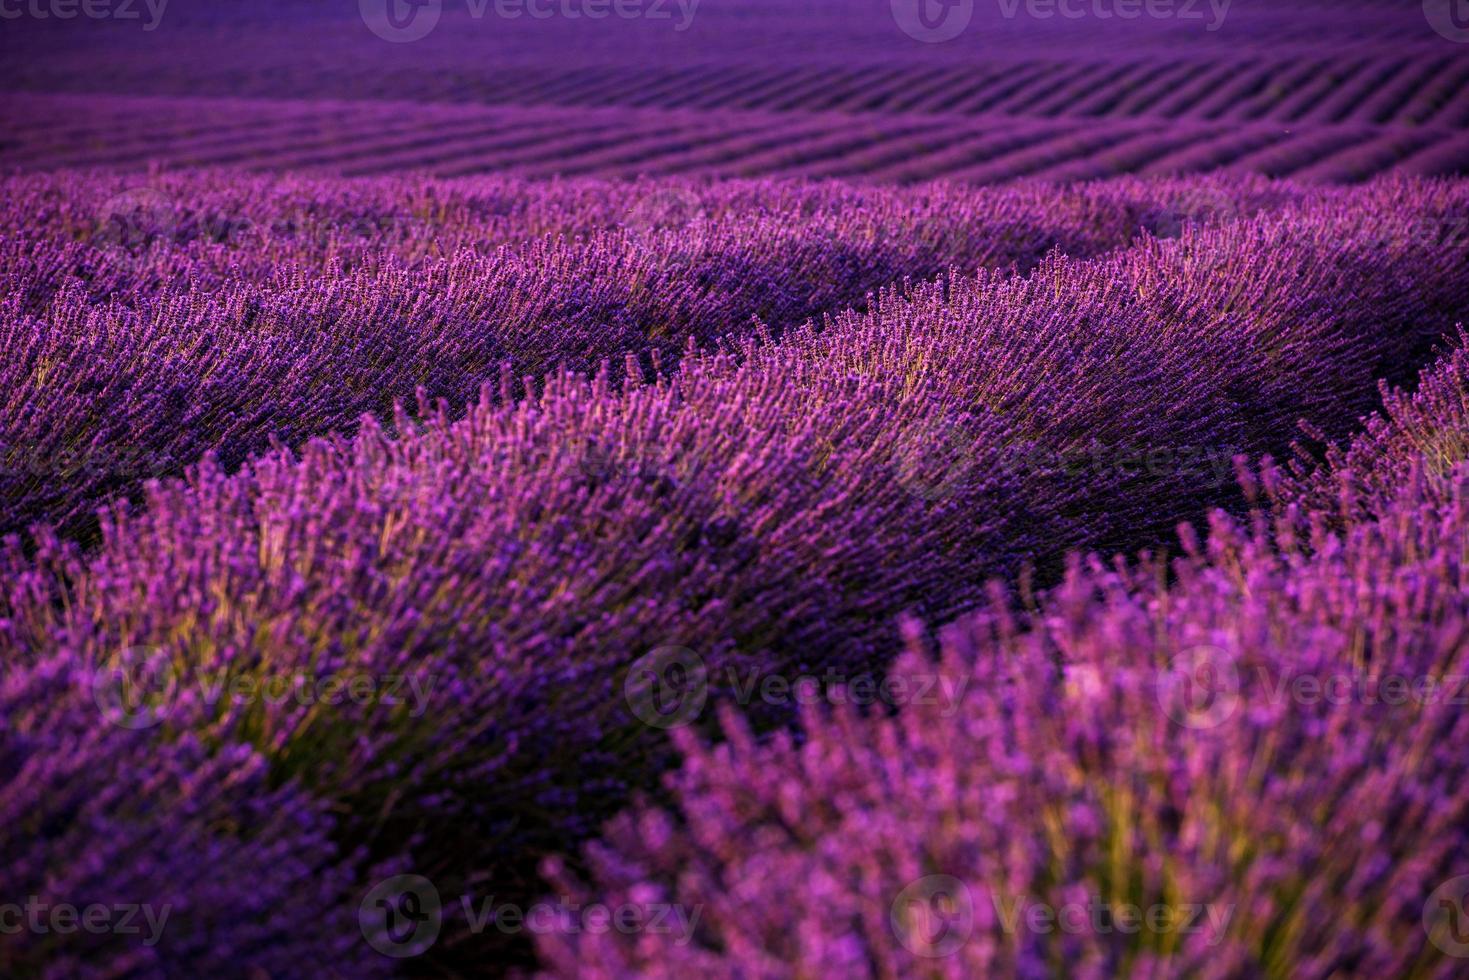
(1370, 88)
(53, 131)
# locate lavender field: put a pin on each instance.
(729, 488)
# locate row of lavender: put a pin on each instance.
(411, 650)
(1256, 770)
(145, 326)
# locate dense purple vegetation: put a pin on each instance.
(229, 866)
(1264, 739)
(735, 488)
(774, 507)
(212, 313)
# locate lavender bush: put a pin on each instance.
(1246, 764)
(148, 851)
(211, 313)
(773, 508)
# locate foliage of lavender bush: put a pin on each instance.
(201, 860)
(773, 507)
(1261, 745)
(146, 327)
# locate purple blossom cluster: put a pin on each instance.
(147, 325)
(772, 505)
(1244, 762)
(142, 851)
